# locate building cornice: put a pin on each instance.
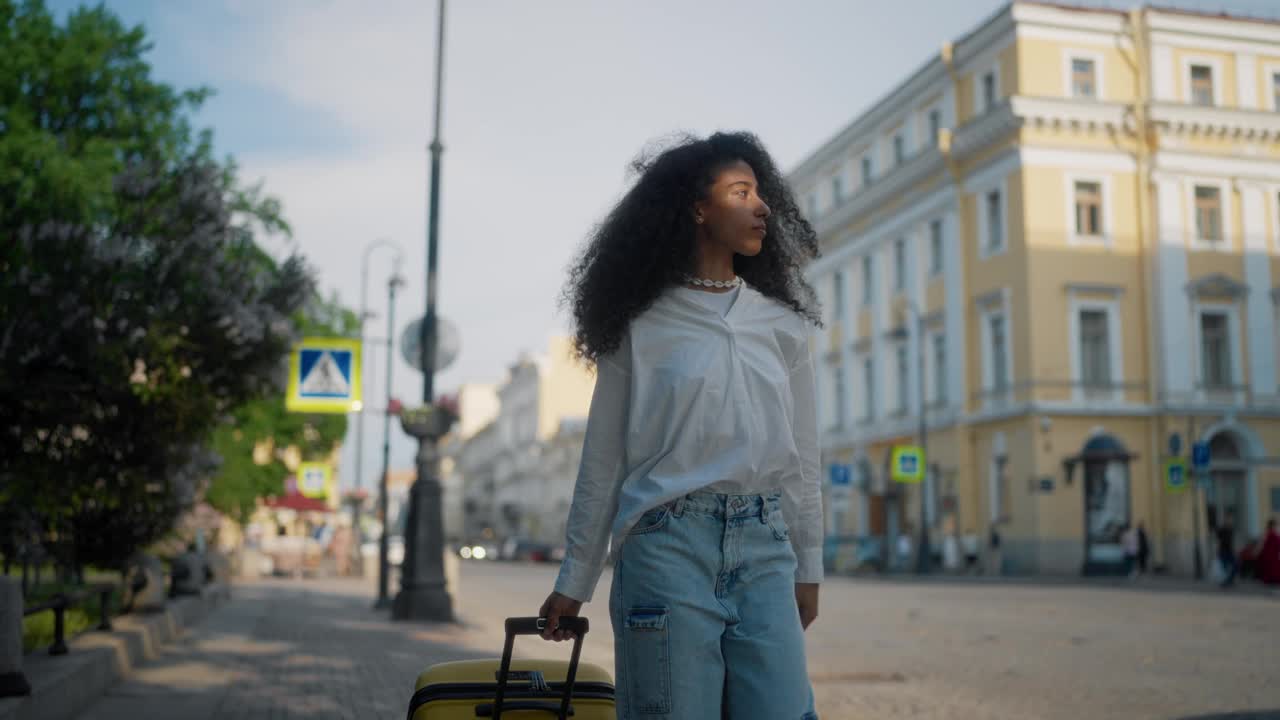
(1179, 118)
(918, 168)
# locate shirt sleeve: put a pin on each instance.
(600, 475)
(806, 498)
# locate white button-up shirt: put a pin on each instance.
(693, 400)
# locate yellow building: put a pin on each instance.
(1072, 218)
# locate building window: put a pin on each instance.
(900, 264)
(1095, 349)
(811, 204)
(866, 170)
(935, 247)
(1275, 91)
(869, 389)
(1084, 78)
(988, 90)
(899, 150)
(904, 375)
(995, 228)
(939, 368)
(1215, 351)
(837, 282)
(999, 353)
(1088, 208)
(935, 125)
(837, 382)
(837, 188)
(1202, 85)
(1208, 213)
(867, 273)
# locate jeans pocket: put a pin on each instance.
(648, 664)
(778, 524)
(653, 519)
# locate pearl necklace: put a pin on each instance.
(723, 284)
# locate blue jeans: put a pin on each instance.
(704, 614)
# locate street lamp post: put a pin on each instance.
(384, 600)
(923, 559)
(364, 315)
(924, 553)
(423, 595)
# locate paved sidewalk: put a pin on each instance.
(283, 649)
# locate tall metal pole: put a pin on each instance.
(923, 559)
(423, 595)
(1197, 558)
(364, 315)
(384, 599)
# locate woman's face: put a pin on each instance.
(733, 214)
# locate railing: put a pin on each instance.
(60, 603)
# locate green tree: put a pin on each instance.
(138, 312)
(240, 480)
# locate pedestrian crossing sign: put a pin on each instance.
(324, 376)
(314, 479)
(1175, 474)
(906, 464)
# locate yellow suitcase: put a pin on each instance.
(519, 689)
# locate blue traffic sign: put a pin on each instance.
(840, 474)
(1175, 474)
(1200, 455)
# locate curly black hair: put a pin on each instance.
(646, 243)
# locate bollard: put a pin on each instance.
(104, 607)
(13, 682)
(59, 646)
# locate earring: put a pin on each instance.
(699, 219)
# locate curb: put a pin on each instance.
(63, 687)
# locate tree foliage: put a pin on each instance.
(250, 446)
(138, 312)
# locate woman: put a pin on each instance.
(700, 464)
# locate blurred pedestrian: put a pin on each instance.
(904, 548)
(995, 555)
(1129, 539)
(1144, 549)
(1268, 563)
(969, 543)
(701, 464)
(1226, 533)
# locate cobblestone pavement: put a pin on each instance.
(883, 650)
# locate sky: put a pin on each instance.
(329, 104)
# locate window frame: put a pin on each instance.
(1225, 210)
(1070, 55)
(985, 250)
(900, 264)
(980, 103)
(1216, 75)
(1115, 350)
(868, 278)
(839, 294)
(868, 367)
(1234, 348)
(1000, 307)
(902, 380)
(937, 248)
(1103, 238)
(937, 362)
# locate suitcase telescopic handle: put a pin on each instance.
(534, 626)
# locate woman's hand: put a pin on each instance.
(556, 607)
(807, 602)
